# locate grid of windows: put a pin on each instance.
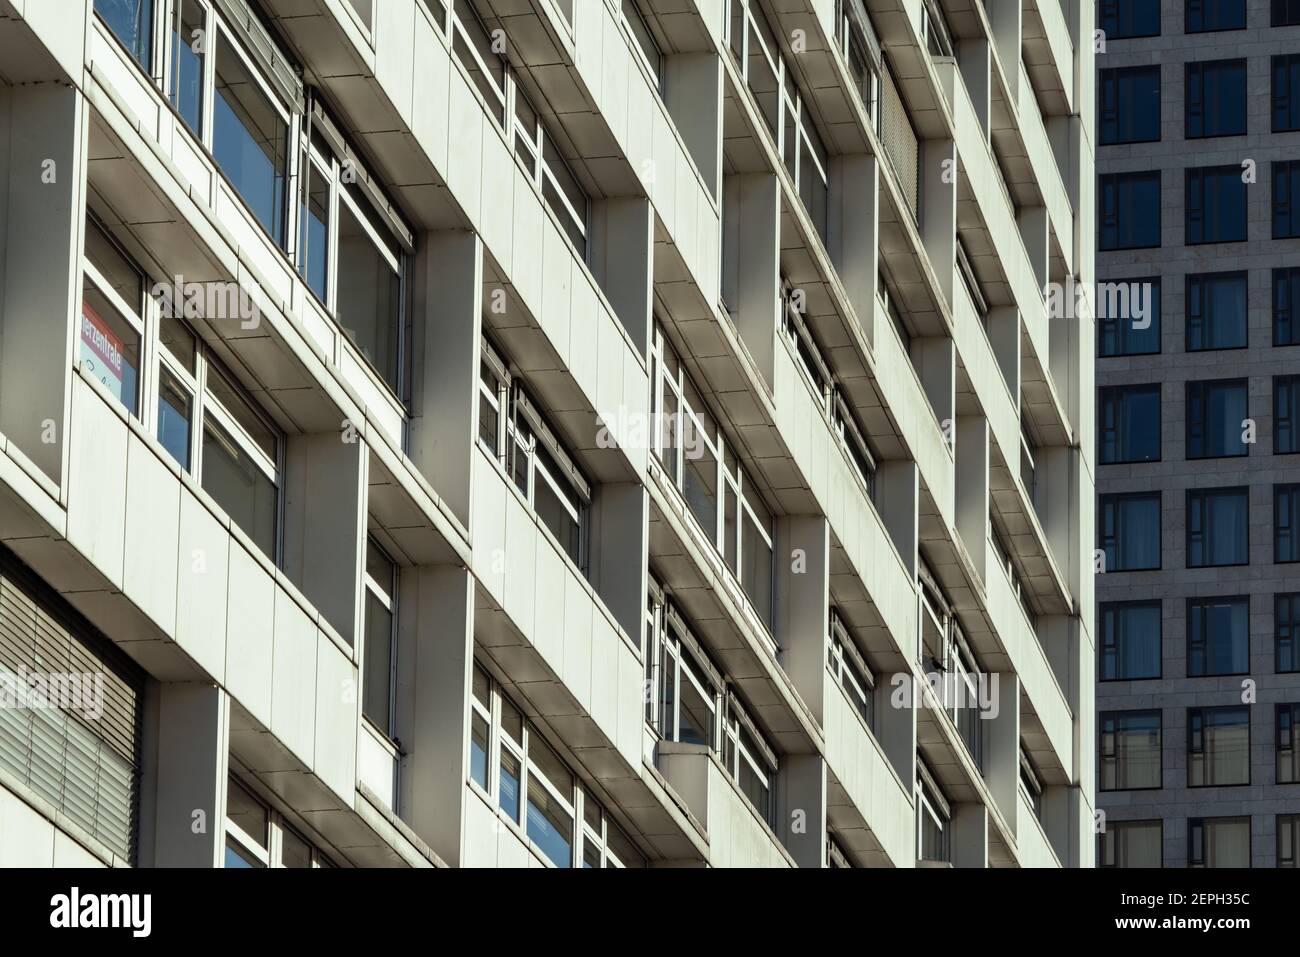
(1218, 523)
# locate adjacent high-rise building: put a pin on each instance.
(1198, 414)
(545, 433)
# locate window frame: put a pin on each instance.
(1119, 827)
(1202, 12)
(1109, 637)
(1203, 206)
(271, 856)
(1286, 306)
(1288, 531)
(1286, 414)
(1203, 640)
(1286, 199)
(389, 600)
(1197, 403)
(1285, 95)
(1109, 186)
(1113, 500)
(1198, 311)
(1110, 402)
(1195, 823)
(848, 668)
(1286, 631)
(1107, 8)
(1286, 746)
(1195, 99)
(1109, 83)
(1121, 327)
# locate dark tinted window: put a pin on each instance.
(1128, 420)
(1216, 205)
(1129, 105)
(1128, 210)
(1128, 317)
(1216, 311)
(1216, 98)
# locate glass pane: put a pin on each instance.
(175, 410)
(132, 23)
(377, 689)
(756, 570)
(512, 722)
(700, 481)
(478, 749)
(250, 140)
(294, 851)
(554, 511)
(369, 295)
(178, 341)
(313, 239)
(188, 46)
(247, 812)
(122, 277)
(481, 686)
(239, 486)
(550, 826)
(548, 764)
(110, 346)
(238, 858)
(508, 784)
(233, 401)
(696, 715)
(381, 570)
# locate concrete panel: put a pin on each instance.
(202, 578)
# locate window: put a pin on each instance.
(1129, 108)
(250, 137)
(1130, 750)
(860, 48)
(1286, 523)
(1286, 414)
(73, 741)
(380, 665)
(1216, 205)
(1218, 636)
(1130, 640)
(1204, 16)
(1286, 306)
(534, 788)
(1216, 418)
(200, 416)
(513, 431)
(1286, 199)
(1216, 311)
(1129, 424)
(240, 460)
(1286, 92)
(1218, 842)
(933, 816)
(849, 669)
(1217, 527)
(1218, 746)
(258, 837)
(688, 702)
(644, 39)
(351, 247)
(1286, 727)
(112, 318)
(780, 100)
(132, 23)
(1128, 210)
(1130, 844)
(1215, 98)
(1128, 313)
(1288, 839)
(1031, 785)
(186, 80)
(1286, 13)
(1125, 19)
(1129, 528)
(1286, 636)
(718, 491)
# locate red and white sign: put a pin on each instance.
(101, 350)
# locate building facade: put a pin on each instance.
(1198, 164)
(551, 433)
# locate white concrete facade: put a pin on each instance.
(647, 422)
